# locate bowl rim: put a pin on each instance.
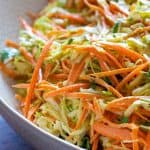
(29, 123)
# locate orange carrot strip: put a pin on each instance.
(48, 68)
(27, 27)
(21, 85)
(141, 116)
(46, 87)
(104, 84)
(94, 137)
(134, 135)
(97, 108)
(72, 17)
(112, 72)
(10, 43)
(27, 55)
(148, 140)
(81, 119)
(100, 54)
(88, 105)
(34, 78)
(109, 21)
(130, 76)
(124, 101)
(111, 132)
(22, 50)
(65, 68)
(122, 50)
(95, 143)
(8, 71)
(32, 111)
(102, 64)
(83, 95)
(116, 7)
(38, 87)
(105, 67)
(138, 31)
(113, 78)
(67, 89)
(72, 77)
(144, 112)
(75, 71)
(59, 76)
(114, 125)
(114, 60)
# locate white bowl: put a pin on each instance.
(10, 10)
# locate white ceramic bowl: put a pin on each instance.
(10, 10)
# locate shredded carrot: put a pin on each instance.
(114, 125)
(122, 50)
(73, 18)
(104, 84)
(27, 27)
(117, 8)
(10, 43)
(99, 53)
(69, 88)
(134, 136)
(148, 141)
(58, 76)
(97, 108)
(112, 72)
(138, 31)
(114, 60)
(111, 132)
(38, 87)
(123, 101)
(95, 143)
(95, 136)
(27, 55)
(141, 116)
(35, 77)
(113, 78)
(102, 64)
(80, 86)
(130, 76)
(144, 112)
(81, 119)
(8, 71)
(65, 67)
(83, 95)
(109, 20)
(48, 68)
(32, 111)
(21, 85)
(23, 51)
(75, 71)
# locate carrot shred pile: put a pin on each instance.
(82, 72)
